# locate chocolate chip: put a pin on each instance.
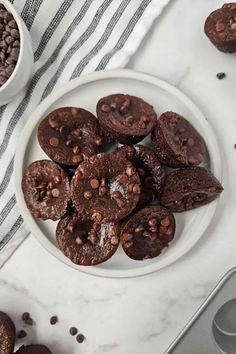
(53, 320)
(163, 229)
(70, 227)
(25, 316)
(114, 240)
(76, 132)
(190, 142)
(136, 189)
(98, 141)
(76, 150)
(94, 183)
(97, 217)
(146, 234)
(29, 322)
(105, 108)
(21, 334)
(52, 122)
(80, 338)
(144, 119)
(93, 238)
(127, 237)
(153, 229)
(116, 195)
(57, 179)
(54, 142)
(125, 106)
(88, 195)
(129, 171)
(15, 33)
(139, 228)
(73, 331)
(78, 240)
(165, 221)
(55, 193)
(220, 76)
(76, 159)
(152, 222)
(123, 179)
(102, 191)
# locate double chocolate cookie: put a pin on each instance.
(7, 334)
(147, 232)
(86, 242)
(105, 187)
(151, 172)
(69, 135)
(189, 188)
(124, 118)
(176, 142)
(33, 349)
(46, 190)
(220, 28)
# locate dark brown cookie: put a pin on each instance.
(46, 190)
(147, 232)
(151, 172)
(7, 334)
(68, 135)
(176, 142)
(86, 242)
(189, 188)
(220, 28)
(105, 187)
(124, 118)
(33, 349)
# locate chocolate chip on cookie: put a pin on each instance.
(124, 118)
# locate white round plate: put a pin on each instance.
(85, 92)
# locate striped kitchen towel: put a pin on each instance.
(70, 38)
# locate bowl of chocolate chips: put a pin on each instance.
(16, 55)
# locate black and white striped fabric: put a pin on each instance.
(70, 38)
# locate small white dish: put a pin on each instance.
(24, 66)
(85, 92)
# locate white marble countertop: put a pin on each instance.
(142, 315)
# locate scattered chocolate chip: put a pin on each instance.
(80, 338)
(21, 334)
(73, 331)
(53, 320)
(25, 316)
(221, 76)
(29, 321)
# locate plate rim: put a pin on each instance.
(37, 115)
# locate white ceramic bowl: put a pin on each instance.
(24, 65)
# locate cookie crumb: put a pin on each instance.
(53, 320)
(221, 76)
(80, 338)
(21, 334)
(73, 331)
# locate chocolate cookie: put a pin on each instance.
(105, 187)
(46, 190)
(7, 334)
(86, 242)
(33, 349)
(124, 118)
(147, 232)
(176, 142)
(220, 28)
(151, 172)
(68, 135)
(189, 188)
